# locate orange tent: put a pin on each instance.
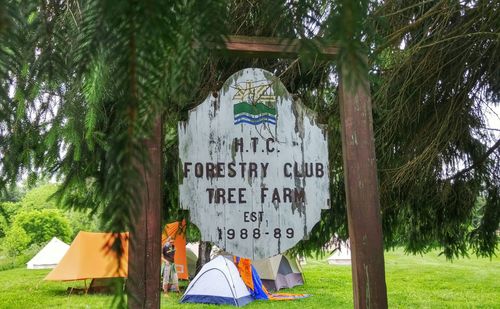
(177, 232)
(90, 257)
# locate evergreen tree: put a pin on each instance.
(437, 75)
(82, 81)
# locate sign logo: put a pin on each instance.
(255, 104)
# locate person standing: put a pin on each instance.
(170, 279)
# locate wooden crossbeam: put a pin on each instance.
(276, 47)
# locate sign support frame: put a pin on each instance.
(360, 173)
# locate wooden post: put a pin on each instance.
(143, 285)
(363, 202)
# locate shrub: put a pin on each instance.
(16, 240)
(42, 225)
(3, 226)
(8, 210)
(20, 260)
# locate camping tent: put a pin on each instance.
(90, 257)
(218, 282)
(341, 255)
(50, 255)
(278, 272)
(195, 247)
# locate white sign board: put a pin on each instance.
(253, 167)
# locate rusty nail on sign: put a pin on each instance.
(254, 167)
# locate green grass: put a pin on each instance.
(432, 282)
(412, 282)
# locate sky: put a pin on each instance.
(493, 120)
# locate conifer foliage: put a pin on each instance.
(438, 75)
(82, 81)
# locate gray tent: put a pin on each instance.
(279, 272)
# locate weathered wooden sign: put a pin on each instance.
(253, 167)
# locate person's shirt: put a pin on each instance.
(168, 252)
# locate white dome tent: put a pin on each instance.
(218, 282)
(49, 256)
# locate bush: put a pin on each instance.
(8, 210)
(4, 226)
(7, 213)
(39, 216)
(42, 225)
(81, 221)
(19, 260)
(16, 240)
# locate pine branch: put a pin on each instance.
(477, 162)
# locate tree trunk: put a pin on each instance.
(203, 254)
(143, 284)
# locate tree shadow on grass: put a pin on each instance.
(58, 292)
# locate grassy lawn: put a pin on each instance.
(412, 282)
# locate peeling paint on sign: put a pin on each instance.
(254, 167)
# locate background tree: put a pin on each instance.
(16, 241)
(436, 75)
(42, 225)
(39, 197)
